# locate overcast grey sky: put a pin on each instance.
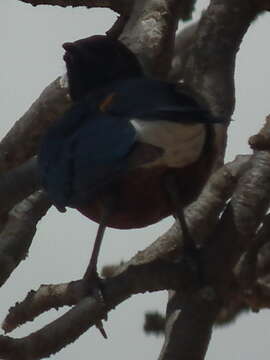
(31, 57)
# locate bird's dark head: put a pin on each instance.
(95, 61)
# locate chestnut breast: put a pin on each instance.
(141, 195)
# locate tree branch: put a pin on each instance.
(22, 141)
(18, 231)
(120, 6)
(183, 44)
(150, 270)
(189, 325)
(210, 67)
(152, 26)
(18, 183)
(209, 72)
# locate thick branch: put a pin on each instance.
(156, 275)
(210, 67)
(120, 6)
(18, 183)
(18, 232)
(22, 141)
(190, 327)
(50, 339)
(239, 223)
(152, 26)
(182, 48)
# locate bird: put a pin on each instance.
(95, 61)
(112, 152)
(125, 138)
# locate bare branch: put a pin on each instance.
(152, 26)
(189, 329)
(210, 67)
(261, 141)
(18, 183)
(22, 141)
(251, 265)
(45, 298)
(117, 28)
(115, 289)
(18, 232)
(154, 323)
(120, 6)
(183, 44)
(54, 336)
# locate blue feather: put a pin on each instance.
(82, 153)
(150, 99)
(89, 146)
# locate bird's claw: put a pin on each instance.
(93, 288)
(99, 326)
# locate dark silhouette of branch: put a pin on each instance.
(117, 28)
(154, 323)
(18, 231)
(120, 6)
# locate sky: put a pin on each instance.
(31, 57)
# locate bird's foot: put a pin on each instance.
(192, 256)
(93, 287)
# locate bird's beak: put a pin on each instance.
(69, 46)
(70, 50)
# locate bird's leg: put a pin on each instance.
(190, 250)
(91, 271)
(108, 206)
(172, 189)
(91, 278)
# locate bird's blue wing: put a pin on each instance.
(101, 150)
(152, 99)
(82, 153)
